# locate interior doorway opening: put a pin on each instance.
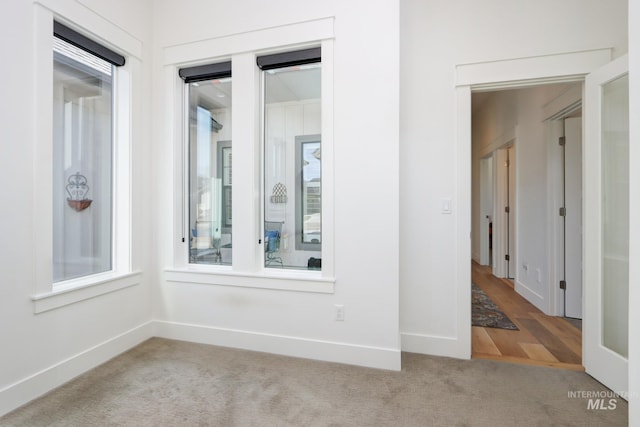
(519, 231)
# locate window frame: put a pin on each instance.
(70, 65)
(287, 59)
(48, 295)
(218, 68)
(248, 268)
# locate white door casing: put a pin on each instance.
(500, 74)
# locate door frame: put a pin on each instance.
(555, 234)
(502, 225)
(494, 75)
(487, 211)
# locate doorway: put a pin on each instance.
(599, 73)
(531, 180)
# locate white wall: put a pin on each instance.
(435, 37)
(365, 171)
(41, 351)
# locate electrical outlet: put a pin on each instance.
(339, 312)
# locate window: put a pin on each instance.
(83, 155)
(210, 163)
(292, 159)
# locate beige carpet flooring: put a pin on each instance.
(172, 383)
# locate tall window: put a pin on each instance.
(292, 159)
(83, 81)
(210, 163)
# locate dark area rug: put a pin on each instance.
(486, 313)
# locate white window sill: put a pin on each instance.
(82, 289)
(285, 280)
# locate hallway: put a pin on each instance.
(542, 340)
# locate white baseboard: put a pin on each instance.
(435, 345)
(23, 391)
(532, 296)
(374, 357)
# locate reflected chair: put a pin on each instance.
(272, 233)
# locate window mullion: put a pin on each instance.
(247, 256)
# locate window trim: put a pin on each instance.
(247, 252)
(45, 291)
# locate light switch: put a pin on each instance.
(446, 206)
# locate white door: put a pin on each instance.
(486, 209)
(606, 225)
(511, 213)
(573, 217)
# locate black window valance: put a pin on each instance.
(289, 59)
(205, 72)
(75, 38)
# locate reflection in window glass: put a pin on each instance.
(308, 193)
(292, 167)
(210, 171)
(82, 163)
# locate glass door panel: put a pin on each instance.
(615, 215)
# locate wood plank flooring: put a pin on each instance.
(542, 340)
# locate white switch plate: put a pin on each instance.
(445, 206)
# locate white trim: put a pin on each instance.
(73, 291)
(42, 234)
(49, 294)
(502, 74)
(251, 41)
(328, 181)
(360, 355)
(535, 70)
(246, 171)
(247, 253)
(436, 345)
(532, 296)
(634, 211)
(564, 104)
(462, 224)
(301, 281)
(17, 394)
(84, 20)
(122, 147)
